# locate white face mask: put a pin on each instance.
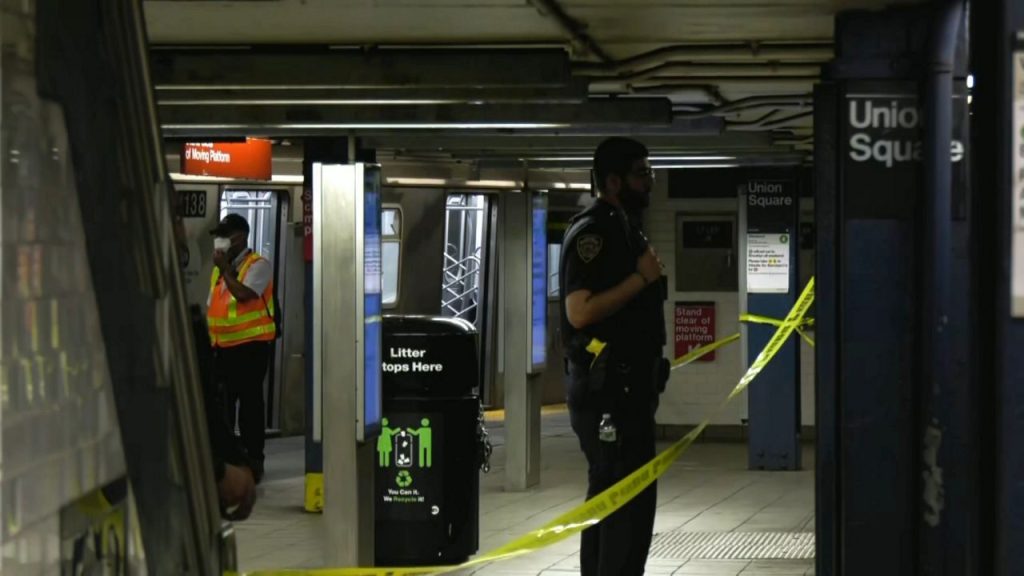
(222, 244)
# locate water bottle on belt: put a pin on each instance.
(606, 430)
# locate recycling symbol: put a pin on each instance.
(404, 479)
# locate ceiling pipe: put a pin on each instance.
(713, 69)
(667, 87)
(725, 79)
(757, 122)
(575, 28)
(776, 124)
(752, 103)
(697, 92)
(781, 51)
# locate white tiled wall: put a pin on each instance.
(696, 390)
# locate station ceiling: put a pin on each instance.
(499, 81)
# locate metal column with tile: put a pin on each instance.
(895, 482)
(997, 58)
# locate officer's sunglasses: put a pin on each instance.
(643, 173)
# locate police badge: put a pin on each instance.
(588, 246)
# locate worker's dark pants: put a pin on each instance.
(242, 369)
(618, 546)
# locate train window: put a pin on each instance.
(391, 222)
(391, 253)
(554, 255)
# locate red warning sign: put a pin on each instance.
(249, 160)
(694, 327)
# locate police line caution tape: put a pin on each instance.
(604, 504)
(697, 353)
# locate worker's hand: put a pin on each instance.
(649, 266)
(220, 259)
(237, 491)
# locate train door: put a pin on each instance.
(469, 273)
(266, 210)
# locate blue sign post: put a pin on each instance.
(771, 209)
(538, 282)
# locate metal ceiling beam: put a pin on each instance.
(562, 143)
(323, 68)
(577, 30)
(766, 158)
(715, 70)
(596, 116)
(576, 91)
(736, 52)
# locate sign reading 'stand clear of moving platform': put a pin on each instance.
(694, 327)
(248, 160)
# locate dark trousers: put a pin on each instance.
(617, 546)
(241, 370)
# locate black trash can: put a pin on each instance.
(427, 475)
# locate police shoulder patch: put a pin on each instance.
(588, 246)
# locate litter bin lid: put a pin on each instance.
(427, 326)
(428, 356)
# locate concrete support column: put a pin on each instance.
(522, 392)
(348, 464)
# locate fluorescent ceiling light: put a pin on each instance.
(495, 183)
(399, 181)
(275, 179)
(651, 158)
(404, 126)
(416, 181)
(305, 101)
(175, 87)
(454, 182)
(680, 166)
(689, 158)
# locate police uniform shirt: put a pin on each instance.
(602, 251)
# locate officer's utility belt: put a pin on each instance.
(611, 369)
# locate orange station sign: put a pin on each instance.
(249, 160)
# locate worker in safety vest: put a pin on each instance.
(236, 488)
(240, 317)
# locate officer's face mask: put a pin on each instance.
(222, 244)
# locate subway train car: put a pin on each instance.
(98, 371)
(439, 254)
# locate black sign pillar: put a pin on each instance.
(997, 62)
(893, 491)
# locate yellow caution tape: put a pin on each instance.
(604, 504)
(698, 352)
(314, 501)
(595, 347)
(806, 323)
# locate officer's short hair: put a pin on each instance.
(616, 155)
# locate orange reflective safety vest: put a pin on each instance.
(231, 322)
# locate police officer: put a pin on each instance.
(613, 330)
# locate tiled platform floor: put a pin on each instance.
(708, 490)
